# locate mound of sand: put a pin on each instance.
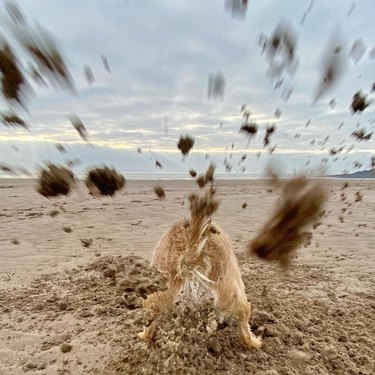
(86, 321)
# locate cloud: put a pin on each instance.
(161, 54)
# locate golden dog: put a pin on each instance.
(198, 250)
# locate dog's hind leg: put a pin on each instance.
(231, 300)
(243, 313)
(159, 302)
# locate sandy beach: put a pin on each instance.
(60, 314)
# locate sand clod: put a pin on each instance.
(359, 102)
(185, 144)
(159, 191)
(104, 181)
(55, 181)
(301, 202)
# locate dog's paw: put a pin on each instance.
(147, 334)
(256, 342)
(142, 335)
(251, 342)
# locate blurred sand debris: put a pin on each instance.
(159, 191)
(60, 148)
(357, 50)
(86, 242)
(79, 126)
(104, 181)
(12, 119)
(249, 128)
(358, 197)
(307, 11)
(361, 135)
(106, 64)
(14, 12)
(270, 129)
(13, 83)
(228, 166)
(333, 64)
(89, 75)
(334, 151)
(359, 102)
(207, 178)
(55, 180)
(192, 173)
(332, 103)
(216, 86)
(6, 169)
(237, 8)
(36, 76)
(40, 45)
(350, 11)
(302, 201)
(243, 158)
(280, 49)
(73, 162)
(287, 93)
(185, 144)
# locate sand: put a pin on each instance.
(66, 309)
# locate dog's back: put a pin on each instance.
(218, 249)
(218, 270)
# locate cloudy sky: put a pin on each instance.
(161, 54)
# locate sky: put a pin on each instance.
(161, 54)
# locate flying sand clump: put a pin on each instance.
(301, 202)
(40, 45)
(185, 144)
(204, 179)
(55, 181)
(104, 181)
(12, 119)
(269, 131)
(249, 128)
(359, 102)
(361, 135)
(79, 126)
(13, 82)
(159, 191)
(192, 173)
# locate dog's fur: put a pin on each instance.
(218, 264)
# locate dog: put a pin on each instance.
(197, 249)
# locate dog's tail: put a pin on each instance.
(193, 260)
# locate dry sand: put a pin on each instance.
(63, 310)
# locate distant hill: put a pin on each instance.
(369, 173)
